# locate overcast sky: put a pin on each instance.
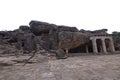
(84, 14)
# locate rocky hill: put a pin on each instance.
(45, 36)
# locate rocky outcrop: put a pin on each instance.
(24, 28)
(41, 35)
(50, 32)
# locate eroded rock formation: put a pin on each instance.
(41, 35)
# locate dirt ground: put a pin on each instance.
(92, 67)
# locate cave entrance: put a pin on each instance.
(102, 44)
(90, 48)
(84, 48)
(79, 49)
(99, 45)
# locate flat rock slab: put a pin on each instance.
(104, 67)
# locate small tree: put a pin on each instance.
(116, 37)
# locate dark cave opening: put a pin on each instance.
(84, 48)
(99, 45)
(90, 47)
(79, 49)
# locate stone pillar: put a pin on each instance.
(67, 51)
(86, 49)
(103, 45)
(95, 50)
(112, 45)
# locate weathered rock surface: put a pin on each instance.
(48, 36)
(38, 27)
(60, 54)
(104, 67)
(69, 40)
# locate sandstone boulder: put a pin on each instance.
(38, 27)
(69, 40)
(60, 54)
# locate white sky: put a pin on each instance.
(84, 14)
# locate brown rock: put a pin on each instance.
(69, 40)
